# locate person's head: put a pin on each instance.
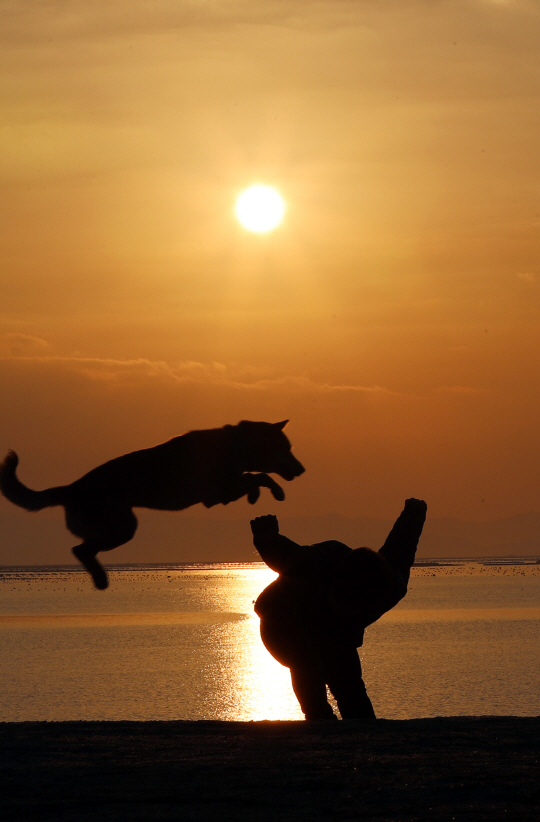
(363, 582)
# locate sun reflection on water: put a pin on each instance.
(251, 684)
(184, 644)
(259, 687)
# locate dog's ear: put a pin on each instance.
(281, 425)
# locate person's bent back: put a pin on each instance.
(314, 615)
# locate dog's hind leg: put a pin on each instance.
(86, 554)
(102, 532)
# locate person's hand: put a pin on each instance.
(417, 504)
(266, 526)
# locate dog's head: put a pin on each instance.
(266, 449)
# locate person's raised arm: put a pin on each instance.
(280, 553)
(400, 546)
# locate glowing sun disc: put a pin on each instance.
(260, 208)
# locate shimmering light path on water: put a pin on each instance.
(173, 643)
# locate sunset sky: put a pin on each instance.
(394, 315)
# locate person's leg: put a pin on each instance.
(297, 651)
(344, 678)
(310, 690)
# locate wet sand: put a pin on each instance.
(464, 769)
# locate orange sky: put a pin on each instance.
(393, 317)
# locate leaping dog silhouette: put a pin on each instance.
(209, 467)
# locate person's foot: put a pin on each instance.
(94, 568)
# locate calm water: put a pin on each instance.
(183, 643)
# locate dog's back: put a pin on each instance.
(170, 476)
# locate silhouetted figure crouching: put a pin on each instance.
(313, 616)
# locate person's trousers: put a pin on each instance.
(340, 669)
(315, 663)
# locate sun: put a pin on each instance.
(260, 208)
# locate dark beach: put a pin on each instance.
(463, 768)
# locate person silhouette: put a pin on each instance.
(313, 616)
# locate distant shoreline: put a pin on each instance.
(467, 768)
(427, 562)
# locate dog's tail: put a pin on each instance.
(17, 493)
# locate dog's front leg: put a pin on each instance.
(247, 485)
(235, 488)
(264, 481)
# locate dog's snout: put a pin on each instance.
(291, 469)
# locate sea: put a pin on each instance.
(181, 642)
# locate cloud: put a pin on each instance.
(233, 376)
(14, 344)
(237, 376)
(55, 22)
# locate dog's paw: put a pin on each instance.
(277, 492)
(253, 494)
(94, 568)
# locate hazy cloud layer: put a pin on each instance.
(235, 376)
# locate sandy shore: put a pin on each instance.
(467, 769)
